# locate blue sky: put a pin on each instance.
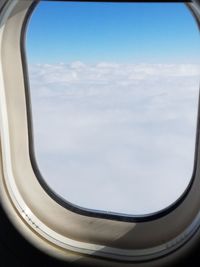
(112, 32)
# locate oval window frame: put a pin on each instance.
(32, 209)
(70, 205)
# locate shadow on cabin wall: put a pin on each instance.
(15, 251)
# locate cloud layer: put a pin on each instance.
(115, 137)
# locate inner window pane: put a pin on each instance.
(114, 91)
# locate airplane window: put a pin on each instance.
(114, 93)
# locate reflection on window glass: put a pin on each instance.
(114, 91)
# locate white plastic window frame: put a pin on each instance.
(54, 228)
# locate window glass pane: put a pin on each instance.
(114, 91)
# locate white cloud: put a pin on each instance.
(116, 137)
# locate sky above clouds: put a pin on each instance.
(123, 33)
(114, 91)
